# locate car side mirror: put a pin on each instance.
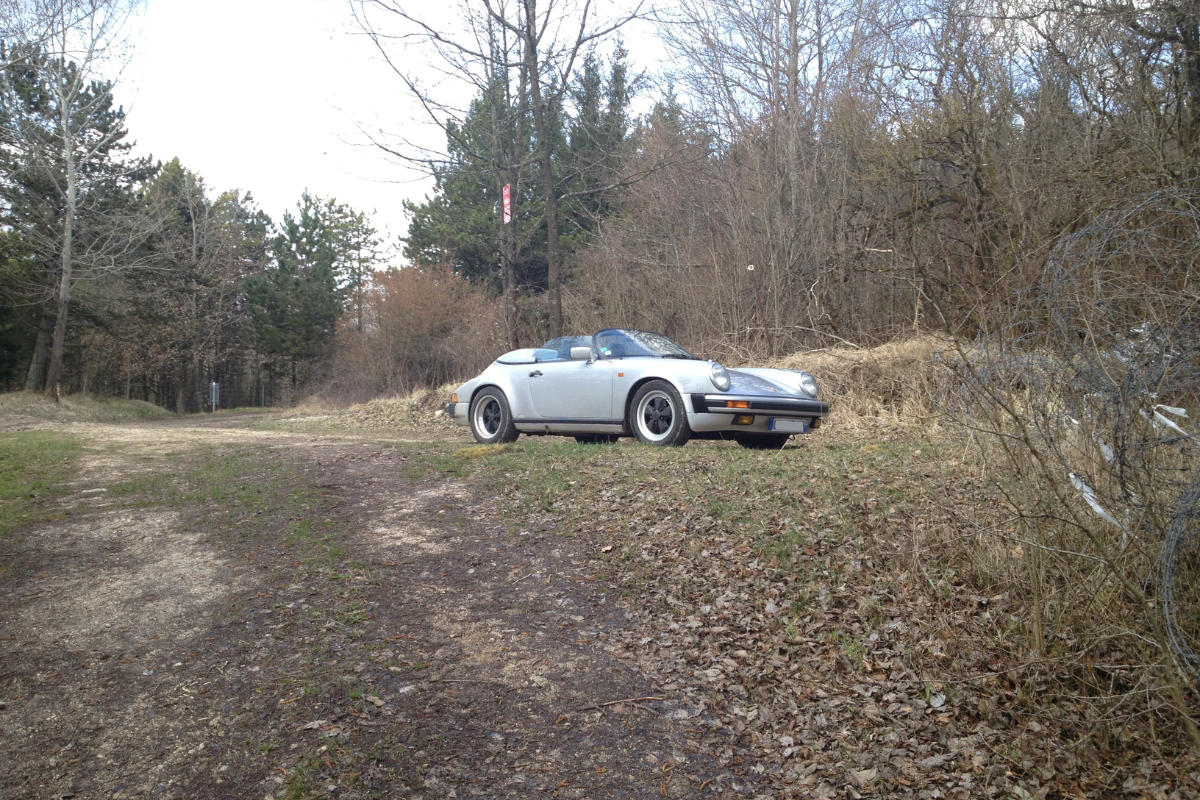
(581, 354)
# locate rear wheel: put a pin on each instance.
(491, 419)
(657, 417)
(762, 441)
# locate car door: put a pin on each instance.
(572, 390)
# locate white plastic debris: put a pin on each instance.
(1089, 495)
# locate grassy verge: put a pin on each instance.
(33, 469)
(239, 493)
(79, 408)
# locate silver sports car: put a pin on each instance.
(624, 382)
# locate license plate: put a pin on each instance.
(788, 425)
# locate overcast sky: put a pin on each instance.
(268, 96)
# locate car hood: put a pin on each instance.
(745, 382)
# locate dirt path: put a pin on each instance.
(320, 619)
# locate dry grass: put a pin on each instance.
(896, 382)
(480, 451)
(418, 409)
(78, 408)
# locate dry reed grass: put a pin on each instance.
(897, 382)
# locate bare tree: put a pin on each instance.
(1132, 62)
(26, 23)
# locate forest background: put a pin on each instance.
(889, 167)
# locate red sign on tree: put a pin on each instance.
(507, 203)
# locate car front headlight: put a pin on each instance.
(807, 384)
(719, 376)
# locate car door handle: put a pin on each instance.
(537, 373)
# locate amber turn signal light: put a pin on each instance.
(454, 397)
(737, 403)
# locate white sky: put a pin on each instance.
(264, 96)
(268, 96)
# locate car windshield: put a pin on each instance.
(562, 347)
(623, 343)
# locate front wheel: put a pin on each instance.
(762, 441)
(657, 417)
(491, 418)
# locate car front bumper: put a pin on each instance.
(457, 412)
(710, 412)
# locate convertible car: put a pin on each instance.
(624, 382)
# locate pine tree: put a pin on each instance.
(71, 191)
(295, 303)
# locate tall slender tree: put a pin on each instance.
(63, 139)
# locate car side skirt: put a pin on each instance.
(570, 426)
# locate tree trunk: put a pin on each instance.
(35, 379)
(181, 390)
(508, 277)
(503, 145)
(553, 275)
(60, 334)
(64, 286)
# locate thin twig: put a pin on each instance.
(618, 702)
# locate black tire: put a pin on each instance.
(762, 441)
(597, 438)
(491, 419)
(657, 416)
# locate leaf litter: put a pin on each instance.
(805, 601)
(795, 611)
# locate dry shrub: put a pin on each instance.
(417, 410)
(314, 404)
(419, 407)
(1082, 403)
(422, 327)
(897, 381)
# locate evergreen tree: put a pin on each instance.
(458, 225)
(295, 303)
(70, 190)
(597, 136)
(359, 252)
(17, 317)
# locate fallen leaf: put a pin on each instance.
(862, 777)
